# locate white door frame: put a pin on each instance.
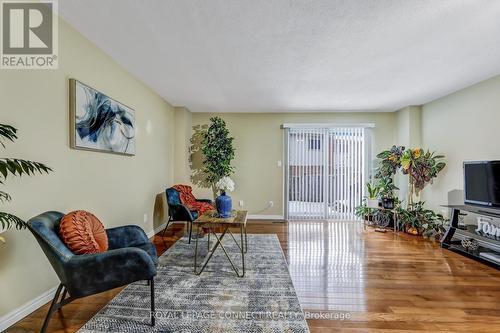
(367, 155)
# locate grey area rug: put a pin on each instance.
(264, 300)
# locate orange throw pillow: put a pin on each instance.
(83, 233)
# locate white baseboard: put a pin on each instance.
(265, 217)
(17, 314)
(156, 230)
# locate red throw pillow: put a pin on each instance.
(83, 233)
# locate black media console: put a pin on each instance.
(488, 243)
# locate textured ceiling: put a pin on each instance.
(309, 55)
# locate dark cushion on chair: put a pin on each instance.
(173, 197)
(93, 273)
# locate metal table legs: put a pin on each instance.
(242, 246)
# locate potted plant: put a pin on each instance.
(436, 227)
(421, 168)
(14, 167)
(387, 188)
(417, 220)
(389, 162)
(364, 212)
(218, 151)
(373, 190)
(409, 221)
(223, 202)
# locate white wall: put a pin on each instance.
(118, 189)
(258, 140)
(463, 126)
(409, 135)
(182, 143)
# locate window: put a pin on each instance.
(325, 176)
(314, 144)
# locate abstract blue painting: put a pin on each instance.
(100, 123)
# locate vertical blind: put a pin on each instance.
(326, 172)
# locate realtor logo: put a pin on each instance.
(29, 35)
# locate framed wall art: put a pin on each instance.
(100, 123)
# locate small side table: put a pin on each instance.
(239, 219)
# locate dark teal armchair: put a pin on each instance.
(179, 212)
(131, 257)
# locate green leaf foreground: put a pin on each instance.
(18, 167)
(7, 132)
(8, 220)
(14, 167)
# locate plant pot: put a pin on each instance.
(412, 230)
(224, 205)
(368, 219)
(388, 203)
(372, 203)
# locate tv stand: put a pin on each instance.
(487, 243)
(488, 213)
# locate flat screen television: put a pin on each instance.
(482, 183)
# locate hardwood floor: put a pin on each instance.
(383, 282)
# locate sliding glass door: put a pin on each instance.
(325, 172)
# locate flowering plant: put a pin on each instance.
(421, 167)
(389, 162)
(225, 184)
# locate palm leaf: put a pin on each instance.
(8, 221)
(18, 167)
(7, 132)
(4, 197)
(15, 167)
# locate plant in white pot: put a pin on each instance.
(373, 190)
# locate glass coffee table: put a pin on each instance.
(209, 220)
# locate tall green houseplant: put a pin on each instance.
(218, 151)
(14, 167)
